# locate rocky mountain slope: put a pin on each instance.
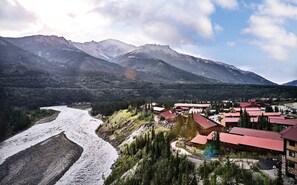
(64, 57)
(115, 59)
(291, 83)
(106, 49)
(215, 70)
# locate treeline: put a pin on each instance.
(108, 108)
(262, 123)
(13, 120)
(82, 89)
(149, 161)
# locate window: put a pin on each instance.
(291, 154)
(291, 165)
(292, 143)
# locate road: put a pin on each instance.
(96, 159)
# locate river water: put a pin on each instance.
(97, 157)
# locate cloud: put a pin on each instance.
(176, 22)
(268, 27)
(13, 15)
(231, 43)
(277, 8)
(218, 28)
(227, 4)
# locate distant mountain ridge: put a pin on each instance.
(106, 49)
(291, 83)
(217, 71)
(150, 62)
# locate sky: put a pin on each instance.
(255, 35)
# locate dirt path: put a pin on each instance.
(43, 163)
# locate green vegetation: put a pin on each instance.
(26, 91)
(184, 127)
(262, 123)
(217, 173)
(108, 108)
(118, 126)
(82, 106)
(149, 161)
(14, 120)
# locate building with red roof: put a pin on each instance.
(290, 147)
(283, 121)
(255, 133)
(182, 107)
(206, 126)
(238, 109)
(169, 116)
(244, 140)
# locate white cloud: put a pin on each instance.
(137, 22)
(218, 28)
(277, 8)
(231, 43)
(268, 27)
(175, 22)
(227, 4)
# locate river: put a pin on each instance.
(96, 159)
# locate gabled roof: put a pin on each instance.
(290, 133)
(199, 139)
(270, 144)
(169, 115)
(258, 142)
(230, 138)
(204, 122)
(256, 133)
(231, 120)
(237, 114)
(237, 109)
(281, 121)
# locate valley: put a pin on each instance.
(79, 127)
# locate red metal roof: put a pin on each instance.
(230, 138)
(168, 115)
(256, 133)
(290, 133)
(204, 122)
(237, 114)
(237, 109)
(259, 142)
(199, 139)
(282, 121)
(270, 144)
(231, 120)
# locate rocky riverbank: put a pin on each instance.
(43, 163)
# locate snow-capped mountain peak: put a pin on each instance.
(106, 49)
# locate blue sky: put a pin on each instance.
(260, 36)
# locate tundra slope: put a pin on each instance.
(79, 127)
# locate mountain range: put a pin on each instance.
(115, 60)
(291, 83)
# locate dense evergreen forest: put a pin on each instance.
(149, 160)
(153, 162)
(14, 120)
(78, 90)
